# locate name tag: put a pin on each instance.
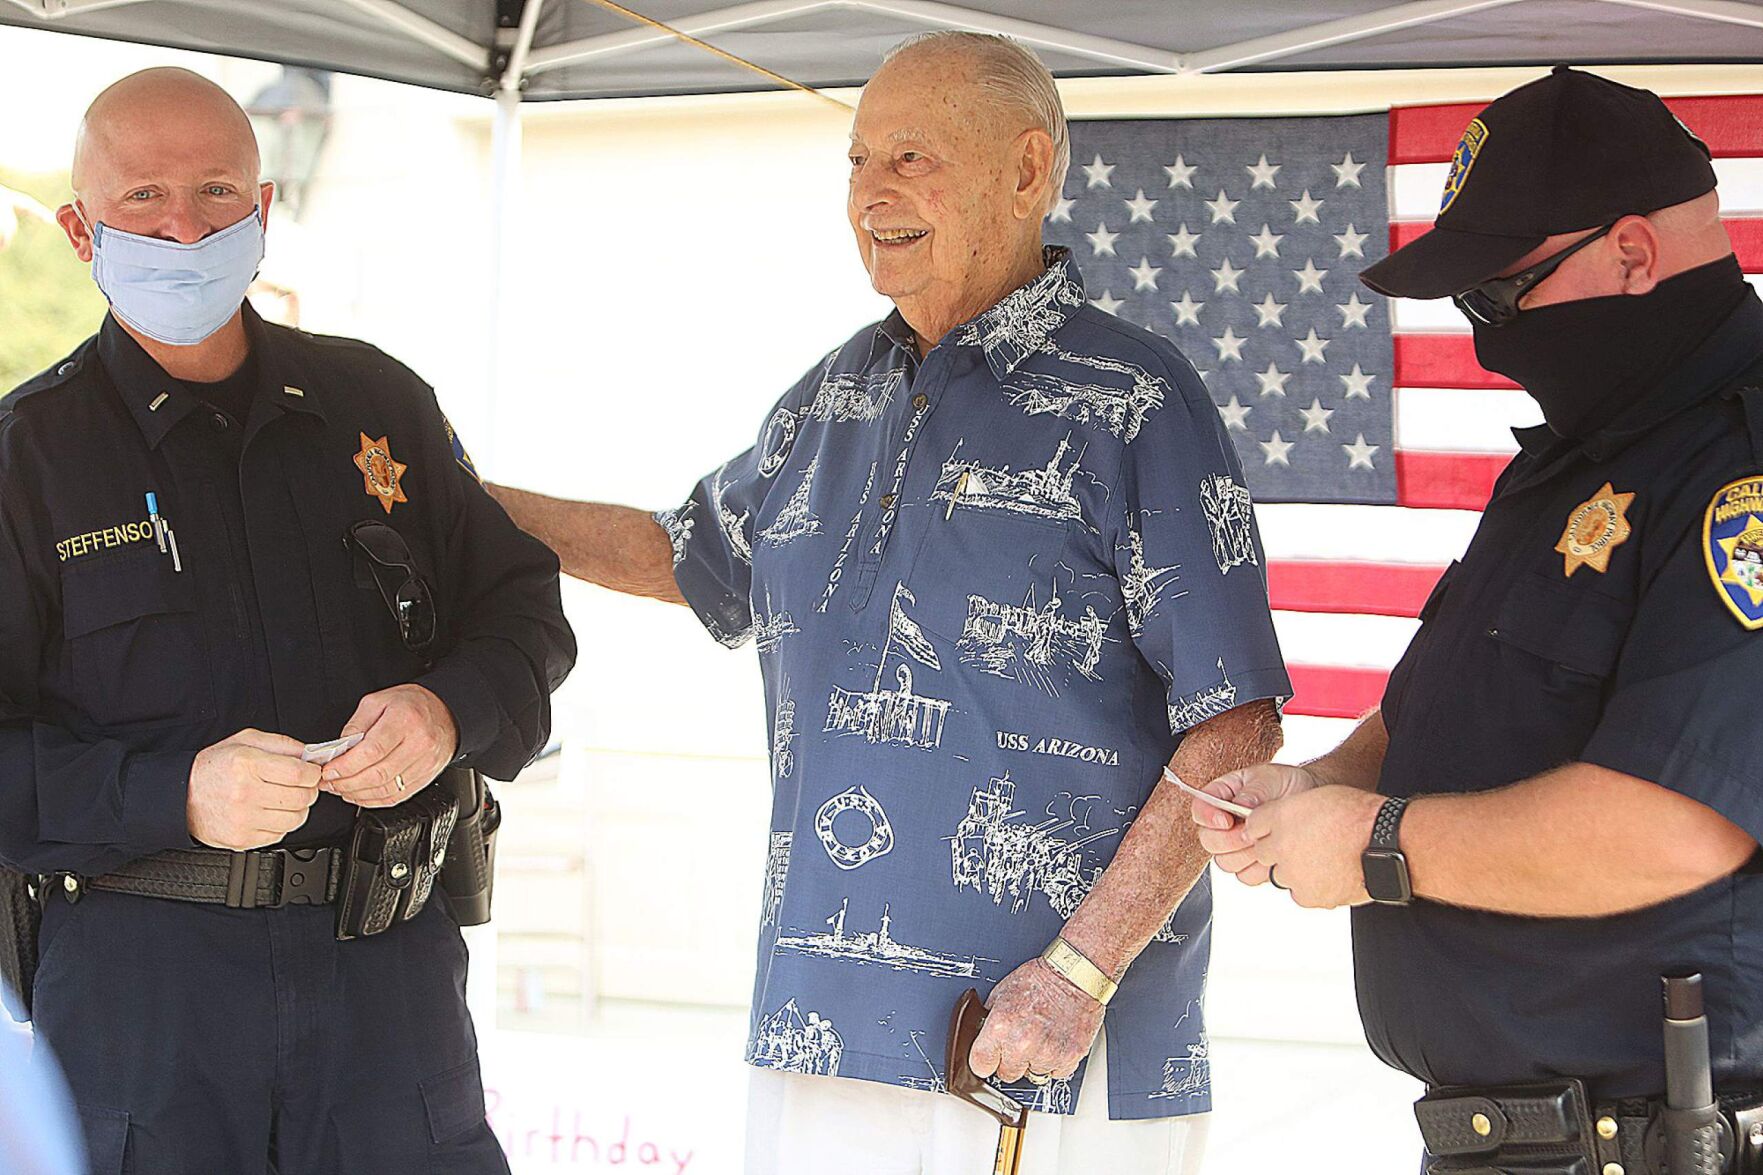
(121, 535)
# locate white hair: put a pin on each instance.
(1008, 73)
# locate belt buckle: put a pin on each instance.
(305, 877)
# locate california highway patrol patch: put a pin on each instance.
(1732, 543)
(1596, 527)
(1474, 136)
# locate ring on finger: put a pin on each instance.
(398, 782)
(1038, 1078)
(1273, 878)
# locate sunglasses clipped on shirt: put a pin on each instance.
(401, 585)
(1495, 301)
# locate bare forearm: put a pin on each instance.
(1160, 857)
(1578, 842)
(616, 547)
(1358, 761)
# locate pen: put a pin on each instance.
(177, 564)
(158, 523)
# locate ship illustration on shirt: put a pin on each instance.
(1044, 492)
(877, 946)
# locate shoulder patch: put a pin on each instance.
(1732, 545)
(459, 454)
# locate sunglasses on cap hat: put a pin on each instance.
(1495, 301)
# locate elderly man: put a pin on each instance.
(221, 541)
(1557, 802)
(1001, 570)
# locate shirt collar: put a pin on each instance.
(1024, 319)
(1735, 346)
(158, 401)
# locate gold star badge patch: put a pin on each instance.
(383, 477)
(1596, 527)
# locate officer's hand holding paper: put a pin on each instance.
(409, 736)
(250, 790)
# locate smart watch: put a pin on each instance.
(1385, 868)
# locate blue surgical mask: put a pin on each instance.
(178, 294)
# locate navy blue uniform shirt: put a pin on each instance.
(116, 667)
(1636, 662)
(990, 590)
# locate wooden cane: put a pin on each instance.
(1012, 1116)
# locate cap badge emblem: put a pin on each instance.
(382, 477)
(1596, 527)
(1732, 544)
(1475, 136)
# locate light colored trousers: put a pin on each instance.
(798, 1125)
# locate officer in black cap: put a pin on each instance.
(221, 541)
(1558, 800)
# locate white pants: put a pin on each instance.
(799, 1125)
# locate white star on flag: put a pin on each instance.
(1351, 242)
(1181, 242)
(1225, 277)
(1270, 312)
(1267, 242)
(1140, 208)
(1263, 173)
(1309, 278)
(1187, 311)
(1273, 380)
(1061, 213)
(1235, 415)
(1276, 449)
(1353, 311)
(1316, 417)
(1313, 347)
(1108, 303)
(1359, 454)
(1346, 172)
(1144, 276)
(1358, 384)
(1102, 241)
(1229, 346)
(1223, 209)
(1180, 173)
(1098, 173)
(1306, 208)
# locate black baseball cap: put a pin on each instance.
(1566, 152)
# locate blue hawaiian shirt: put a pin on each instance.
(990, 589)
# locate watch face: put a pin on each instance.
(1386, 877)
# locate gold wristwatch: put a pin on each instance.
(1071, 965)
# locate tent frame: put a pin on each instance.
(514, 60)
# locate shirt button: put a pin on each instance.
(919, 401)
(887, 501)
(221, 423)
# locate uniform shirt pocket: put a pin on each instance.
(135, 650)
(1569, 625)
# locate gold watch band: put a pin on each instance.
(1071, 965)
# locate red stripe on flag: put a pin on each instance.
(1731, 125)
(1442, 361)
(1446, 481)
(1373, 589)
(1334, 691)
(1746, 233)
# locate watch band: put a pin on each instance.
(1070, 964)
(1385, 831)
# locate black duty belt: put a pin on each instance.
(1551, 1128)
(262, 879)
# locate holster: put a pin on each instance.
(393, 858)
(469, 875)
(21, 915)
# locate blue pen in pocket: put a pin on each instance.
(158, 522)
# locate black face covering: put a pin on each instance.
(1585, 361)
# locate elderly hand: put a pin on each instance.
(411, 736)
(1038, 1023)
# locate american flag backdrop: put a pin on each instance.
(1369, 434)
